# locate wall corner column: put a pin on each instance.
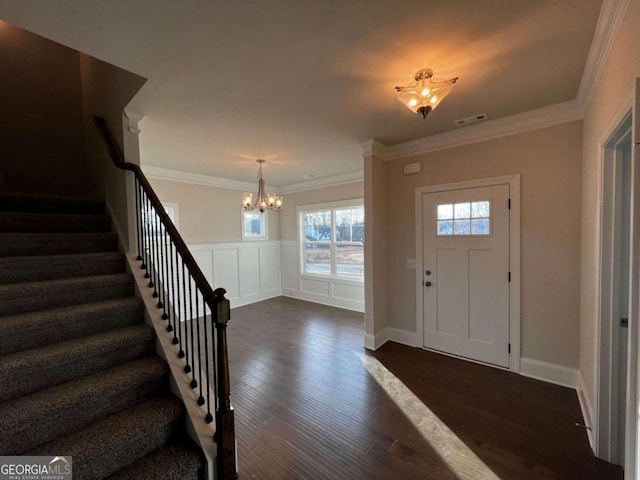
(375, 248)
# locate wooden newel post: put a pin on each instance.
(225, 436)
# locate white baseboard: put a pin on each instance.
(374, 342)
(587, 410)
(549, 372)
(324, 300)
(403, 336)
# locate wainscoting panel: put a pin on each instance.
(290, 268)
(315, 287)
(249, 259)
(226, 271)
(270, 270)
(337, 292)
(248, 271)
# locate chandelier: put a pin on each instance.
(264, 201)
(426, 94)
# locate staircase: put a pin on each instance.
(79, 375)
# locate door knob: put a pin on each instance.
(427, 284)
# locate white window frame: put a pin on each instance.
(264, 226)
(333, 206)
(172, 210)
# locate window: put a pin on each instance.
(468, 218)
(254, 225)
(151, 221)
(332, 239)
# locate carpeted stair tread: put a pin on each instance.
(49, 267)
(19, 202)
(22, 222)
(19, 244)
(171, 462)
(18, 298)
(32, 370)
(114, 442)
(43, 416)
(44, 327)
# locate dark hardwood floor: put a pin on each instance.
(311, 403)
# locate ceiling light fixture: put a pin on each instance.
(264, 201)
(426, 94)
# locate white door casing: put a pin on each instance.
(471, 309)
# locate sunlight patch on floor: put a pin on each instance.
(458, 457)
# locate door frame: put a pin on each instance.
(514, 258)
(597, 437)
(608, 260)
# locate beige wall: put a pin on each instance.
(41, 139)
(288, 218)
(209, 214)
(618, 78)
(548, 161)
(106, 91)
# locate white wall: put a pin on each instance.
(617, 81)
(250, 271)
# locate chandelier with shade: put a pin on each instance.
(264, 201)
(426, 94)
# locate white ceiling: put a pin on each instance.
(301, 83)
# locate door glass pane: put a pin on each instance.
(480, 209)
(350, 260)
(445, 212)
(480, 226)
(445, 227)
(317, 258)
(461, 227)
(462, 210)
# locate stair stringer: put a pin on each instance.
(199, 431)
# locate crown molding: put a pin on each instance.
(162, 173)
(609, 22)
(133, 119)
(521, 122)
(342, 179)
(373, 147)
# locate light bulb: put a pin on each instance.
(434, 99)
(413, 102)
(425, 92)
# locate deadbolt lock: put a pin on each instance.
(427, 284)
(428, 272)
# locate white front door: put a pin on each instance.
(465, 235)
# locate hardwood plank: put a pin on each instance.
(311, 403)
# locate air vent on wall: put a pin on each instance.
(472, 119)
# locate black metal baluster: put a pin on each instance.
(176, 325)
(194, 383)
(165, 282)
(152, 260)
(208, 417)
(138, 220)
(162, 284)
(156, 256)
(181, 319)
(200, 398)
(145, 233)
(187, 368)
